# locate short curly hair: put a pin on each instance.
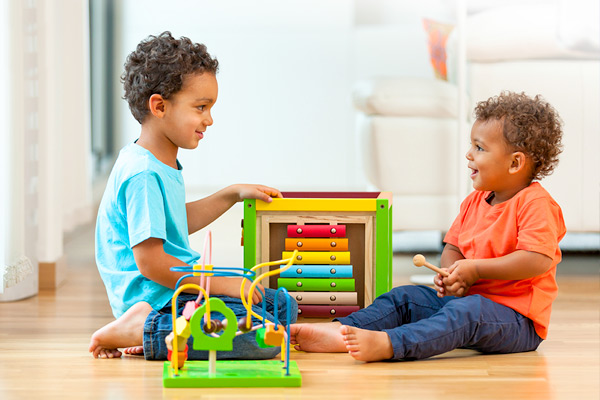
(159, 65)
(530, 125)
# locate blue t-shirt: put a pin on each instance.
(144, 198)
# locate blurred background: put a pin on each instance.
(327, 95)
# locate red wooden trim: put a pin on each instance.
(330, 195)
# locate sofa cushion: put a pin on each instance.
(411, 97)
(534, 31)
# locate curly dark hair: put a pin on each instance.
(530, 125)
(158, 66)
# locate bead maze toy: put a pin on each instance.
(343, 240)
(212, 334)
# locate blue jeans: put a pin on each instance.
(422, 325)
(159, 324)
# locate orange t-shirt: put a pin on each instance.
(531, 220)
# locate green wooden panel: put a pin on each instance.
(317, 285)
(383, 248)
(249, 233)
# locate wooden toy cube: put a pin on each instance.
(269, 229)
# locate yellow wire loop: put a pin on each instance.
(174, 354)
(248, 302)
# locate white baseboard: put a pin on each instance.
(431, 241)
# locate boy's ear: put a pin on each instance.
(518, 162)
(156, 103)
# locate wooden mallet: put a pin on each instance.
(419, 261)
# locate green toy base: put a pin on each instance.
(234, 373)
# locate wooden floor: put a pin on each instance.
(44, 339)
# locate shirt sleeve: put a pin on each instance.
(451, 236)
(540, 227)
(145, 209)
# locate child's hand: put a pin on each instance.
(257, 295)
(260, 192)
(231, 287)
(439, 285)
(462, 275)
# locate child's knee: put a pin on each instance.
(469, 307)
(409, 292)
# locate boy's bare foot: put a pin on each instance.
(126, 331)
(366, 345)
(318, 337)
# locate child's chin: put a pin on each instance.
(478, 186)
(191, 146)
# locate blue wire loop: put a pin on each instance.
(288, 318)
(219, 271)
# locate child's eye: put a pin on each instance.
(201, 108)
(476, 147)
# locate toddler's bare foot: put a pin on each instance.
(126, 331)
(135, 350)
(366, 345)
(318, 338)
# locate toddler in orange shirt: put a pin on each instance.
(501, 254)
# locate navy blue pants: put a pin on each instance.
(422, 325)
(160, 323)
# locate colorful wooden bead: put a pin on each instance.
(181, 357)
(215, 326)
(242, 325)
(189, 309)
(274, 337)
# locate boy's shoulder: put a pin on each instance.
(134, 160)
(535, 191)
(535, 202)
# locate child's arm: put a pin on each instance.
(155, 265)
(450, 255)
(202, 212)
(520, 264)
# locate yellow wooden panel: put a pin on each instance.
(317, 205)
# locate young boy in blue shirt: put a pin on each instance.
(143, 221)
